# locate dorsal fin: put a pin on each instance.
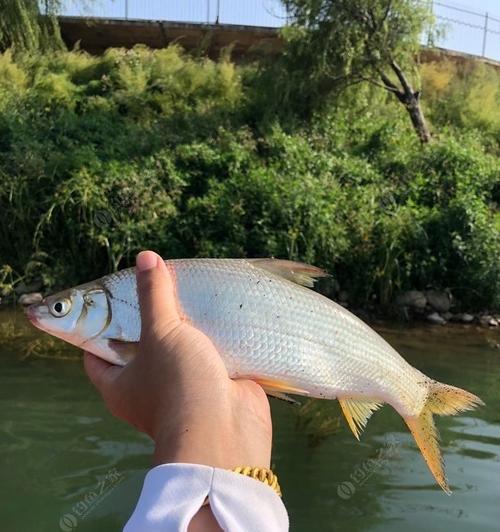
(296, 272)
(357, 413)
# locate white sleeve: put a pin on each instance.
(173, 493)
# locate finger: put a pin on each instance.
(102, 374)
(156, 294)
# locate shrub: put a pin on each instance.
(103, 156)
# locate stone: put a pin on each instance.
(488, 321)
(440, 301)
(447, 316)
(23, 288)
(412, 298)
(30, 299)
(465, 318)
(435, 319)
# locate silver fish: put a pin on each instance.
(270, 328)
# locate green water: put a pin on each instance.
(66, 464)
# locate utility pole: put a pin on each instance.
(485, 33)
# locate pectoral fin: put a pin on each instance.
(126, 351)
(282, 397)
(280, 389)
(357, 413)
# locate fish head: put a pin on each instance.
(76, 315)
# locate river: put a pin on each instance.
(67, 464)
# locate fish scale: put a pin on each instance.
(284, 331)
(269, 328)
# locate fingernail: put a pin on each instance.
(146, 260)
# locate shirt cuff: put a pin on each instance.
(173, 493)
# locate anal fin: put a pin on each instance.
(357, 413)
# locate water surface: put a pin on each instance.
(67, 464)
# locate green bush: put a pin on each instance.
(103, 156)
(464, 94)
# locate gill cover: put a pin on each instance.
(95, 315)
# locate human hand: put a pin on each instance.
(177, 389)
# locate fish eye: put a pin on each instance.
(60, 308)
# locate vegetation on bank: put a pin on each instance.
(103, 156)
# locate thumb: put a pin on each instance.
(157, 300)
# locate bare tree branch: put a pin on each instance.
(384, 85)
(402, 78)
(388, 84)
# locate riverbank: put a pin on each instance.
(410, 307)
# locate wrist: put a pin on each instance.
(225, 446)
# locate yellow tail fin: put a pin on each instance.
(442, 400)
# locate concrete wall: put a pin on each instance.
(95, 35)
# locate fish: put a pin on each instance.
(268, 326)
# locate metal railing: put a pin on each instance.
(268, 13)
(466, 30)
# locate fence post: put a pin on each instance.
(485, 33)
(217, 15)
(431, 13)
(126, 9)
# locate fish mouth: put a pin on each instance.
(32, 314)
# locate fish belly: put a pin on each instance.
(266, 327)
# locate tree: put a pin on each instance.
(331, 44)
(29, 24)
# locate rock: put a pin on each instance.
(23, 288)
(440, 301)
(435, 319)
(29, 299)
(488, 321)
(447, 316)
(465, 318)
(412, 298)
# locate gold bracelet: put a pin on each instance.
(262, 474)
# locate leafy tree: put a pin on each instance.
(334, 43)
(29, 24)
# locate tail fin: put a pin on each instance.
(442, 400)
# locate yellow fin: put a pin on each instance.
(442, 399)
(297, 272)
(278, 388)
(357, 413)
